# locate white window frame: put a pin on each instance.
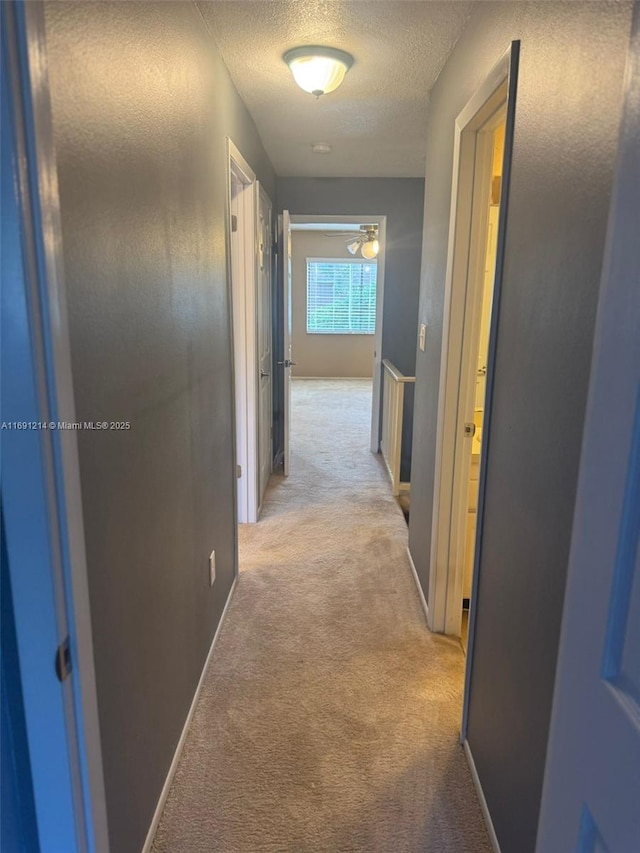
(359, 262)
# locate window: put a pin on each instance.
(341, 296)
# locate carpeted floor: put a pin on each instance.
(329, 717)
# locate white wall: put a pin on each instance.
(322, 355)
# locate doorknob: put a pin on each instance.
(263, 374)
(287, 363)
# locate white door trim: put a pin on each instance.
(243, 272)
(381, 219)
(449, 510)
(265, 252)
(456, 387)
(286, 363)
(509, 64)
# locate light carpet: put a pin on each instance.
(329, 716)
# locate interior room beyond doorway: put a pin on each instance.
(336, 301)
(484, 323)
(333, 299)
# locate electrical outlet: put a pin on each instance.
(212, 568)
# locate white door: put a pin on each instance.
(244, 242)
(265, 405)
(591, 795)
(287, 363)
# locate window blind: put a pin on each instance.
(341, 296)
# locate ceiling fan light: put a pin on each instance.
(318, 70)
(370, 249)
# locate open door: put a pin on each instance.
(243, 236)
(287, 364)
(479, 193)
(265, 407)
(591, 789)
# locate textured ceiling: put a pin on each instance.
(376, 121)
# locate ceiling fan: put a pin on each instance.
(365, 240)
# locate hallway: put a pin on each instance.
(328, 719)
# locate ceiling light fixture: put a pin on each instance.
(318, 70)
(321, 148)
(366, 241)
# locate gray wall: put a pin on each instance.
(141, 107)
(401, 199)
(568, 103)
(322, 355)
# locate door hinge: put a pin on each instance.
(238, 471)
(63, 660)
(234, 223)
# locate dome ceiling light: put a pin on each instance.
(318, 70)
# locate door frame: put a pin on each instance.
(381, 220)
(467, 288)
(265, 250)
(243, 278)
(55, 591)
(465, 263)
(284, 227)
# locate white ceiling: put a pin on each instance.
(376, 121)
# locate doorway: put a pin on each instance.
(250, 251)
(265, 347)
(479, 328)
(333, 304)
(483, 134)
(480, 189)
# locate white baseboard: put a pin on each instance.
(176, 756)
(483, 803)
(423, 600)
